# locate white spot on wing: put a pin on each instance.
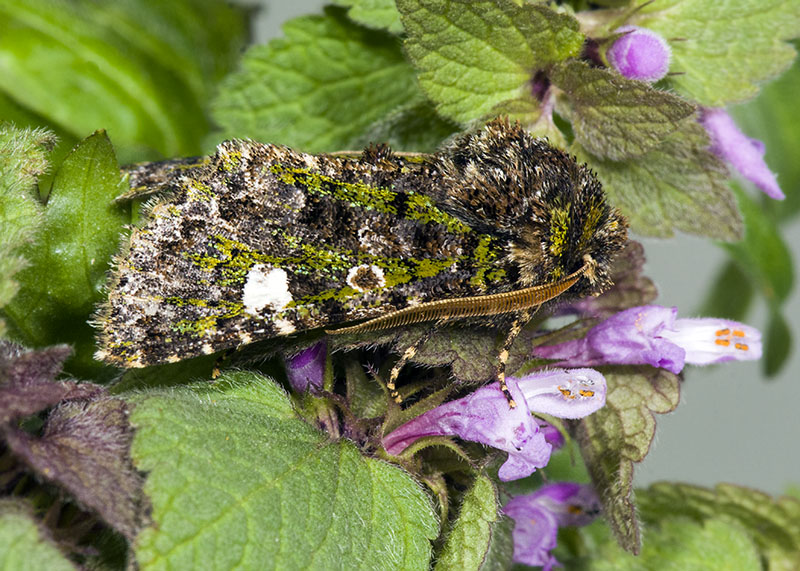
(364, 277)
(266, 288)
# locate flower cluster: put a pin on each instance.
(644, 55)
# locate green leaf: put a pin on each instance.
(318, 88)
(380, 14)
(773, 525)
(470, 538)
(730, 295)
(415, 128)
(617, 118)
(23, 158)
(762, 254)
(70, 256)
(679, 185)
(237, 479)
(23, 544)
(619, 434)
(143, 69)
(677, 544)
(722, 51)
(777, 344)
(475, 55)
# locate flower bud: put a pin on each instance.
(640, 54)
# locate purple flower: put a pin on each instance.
(746, 155)
(538, 516)
(651, 335)
(306, 369)
(640, 54)
(484, 417)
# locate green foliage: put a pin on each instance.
(771, 525)
(142, 69)
(679, 185)
(470, 539)
(618, 435)
(616, 118)
(24, 544)
(328, 74)
(722, 50)
(231, 464)
(380, 14)
(68, 261)
(473, 56)
(23, 157)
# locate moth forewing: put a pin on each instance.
(260, 241)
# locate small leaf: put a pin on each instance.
(722, 51)
(762, 254)
(24, 544)
(415, 127)
(142, 69)
(237, 479)
(616, 436)
(328, 75)
(772, 524)
(730, 295)
(717, 545)
(84, 450)
(679, 185)
(70, 257)
(778, 344)
(475, 55)
(469, 539)
(617, 118)
(381, 14)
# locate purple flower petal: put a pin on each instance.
(538, 516)
(552, 435)
(573, 393)
(306, 369)
(483, 416)
(640, 54)
(651, 335)
(746, 155)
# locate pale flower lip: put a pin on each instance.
(484, 416)
(744, 154)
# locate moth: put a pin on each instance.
(260, 241)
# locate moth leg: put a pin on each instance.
(407, 355)
(500, 372)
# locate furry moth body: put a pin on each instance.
(260, 241)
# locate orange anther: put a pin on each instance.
(566, 392)
(742, 346)
(738, 333)
(721, 332)
(575, 510)
(723, 342)
(585, 393)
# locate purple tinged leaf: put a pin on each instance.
(85, 450)
(484, 417)
(744, 154)
(651, 335)
(538, 516)
(27, 381)
(306, 369)
(640, 54)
